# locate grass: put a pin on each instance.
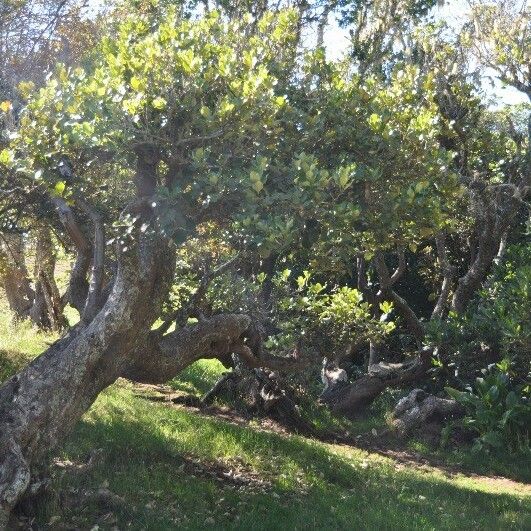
(198, 378)
(19, 343)
(517, 467)
(177, 469)
(311, 484)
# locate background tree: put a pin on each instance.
(33, 36)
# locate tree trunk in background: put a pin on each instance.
(47, 311)
(78, 285)
(468, 284)
(374, 352)
(350, 399)
(14, 275)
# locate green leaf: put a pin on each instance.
(226, 107)
(386, 307)
(59, 187)
(258, 186)
(493, 438)
(421, 186)
(285, 274)
(136, 83)
(511, 399)
(374, 121)
(455, 394)
(6, 157)
(159, 103)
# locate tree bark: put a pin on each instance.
(387, 281)
(448, 272)
(47, 309)
(418, 407)
(496, 207)
(40, 405)
(14, 275)
(78, 285)
(471, 281)
(350, 398)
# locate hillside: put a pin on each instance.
(136, 461)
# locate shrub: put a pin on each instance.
(497, 410)
(496, 325)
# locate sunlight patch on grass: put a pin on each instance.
(199, 377)
(20, 342)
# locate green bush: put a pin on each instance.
(497, 323)
(497, 410)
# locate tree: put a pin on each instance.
(32, 36)
(223, 139)
(152, 96)
(499, 33)
(14, 275)
(398, 162)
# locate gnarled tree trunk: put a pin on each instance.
(419, 407)
(14, 275)
(40, 405)
(350, 398)
(47, 309)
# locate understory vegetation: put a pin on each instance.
(170, 467)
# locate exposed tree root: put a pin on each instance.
(256, 393)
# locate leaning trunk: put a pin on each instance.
(40, 405)
(350, 399)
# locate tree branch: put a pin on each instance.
(77, 290)
(181, 315)
(448, 275)
(168, 355)
(413, 323)
(71, 226)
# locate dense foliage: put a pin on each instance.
(497, 325)
(498, 410)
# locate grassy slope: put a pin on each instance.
(158, 458)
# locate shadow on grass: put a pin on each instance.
(146, 446)
(515, 466)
